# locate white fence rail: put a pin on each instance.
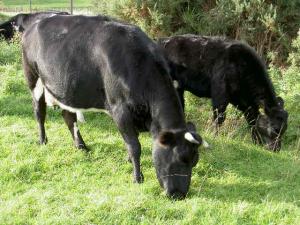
(25, 9)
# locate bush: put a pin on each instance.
(267, 26)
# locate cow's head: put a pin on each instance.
(175, 154)
(271, 127)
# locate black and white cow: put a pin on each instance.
(228, 71)
(22, 21)
(92, 63)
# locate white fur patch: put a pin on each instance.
(52, 101)
(80, 117)
(16, 28)
(75, 130)
(188, 136)
(38, 90)
(175, 84)
(53, 14)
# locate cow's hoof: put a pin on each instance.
(139, 179)
(128, 159)
(43, 141)
(82, 146)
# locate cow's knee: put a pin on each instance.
(71, 121)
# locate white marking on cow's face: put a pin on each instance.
(16, 28)
(38, 90)
(175, 84)
(189, 137)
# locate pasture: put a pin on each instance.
(45, 3)
(235, 182)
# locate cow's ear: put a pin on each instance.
(166, 138)
(280, 101)
(191, 127)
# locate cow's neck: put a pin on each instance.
(166, 113)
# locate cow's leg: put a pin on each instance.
(180, 92)
(38, 97)
(39, 106)
(219, 115)
(251, 114)
(71, 121)
(219, 104)
(123, 119)
(220, 100)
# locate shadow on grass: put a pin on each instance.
(18, 105)
(247, 173)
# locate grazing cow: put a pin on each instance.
(91, 63)
(22, 21)
(228, 71)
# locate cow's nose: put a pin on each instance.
(176, 194)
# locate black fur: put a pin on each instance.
(227, 71)
(97, 62)
(23, 21)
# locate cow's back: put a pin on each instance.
(83, 61)
(62, 58)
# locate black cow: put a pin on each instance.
(228, 72)
(93, 63)
(22, 21)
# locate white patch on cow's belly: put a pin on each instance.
(52, 101)
(38, 90)
(80, 117)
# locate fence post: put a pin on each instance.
(71, 1)
(30, 8)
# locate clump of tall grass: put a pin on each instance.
(10, 51)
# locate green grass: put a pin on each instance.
(3, 18)
(45, 3)
(234, 183)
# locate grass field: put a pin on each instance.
(45, 3)
(235, 182)
(3, 18)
